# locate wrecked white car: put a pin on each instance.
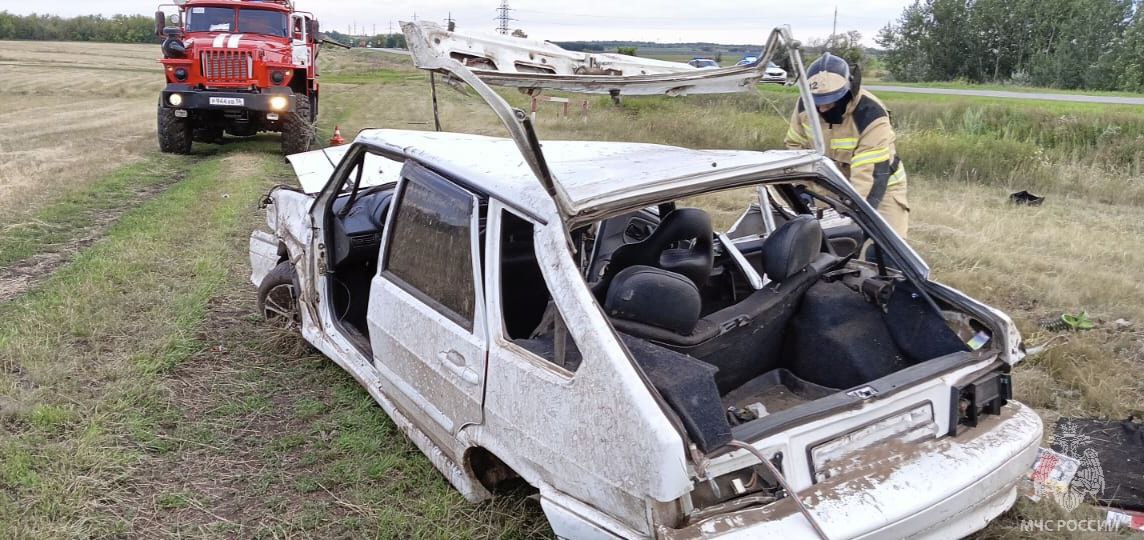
(568, 315)
(533, 65)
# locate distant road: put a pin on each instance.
(391, 51)
(1076, 98)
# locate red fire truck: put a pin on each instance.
(238, 67)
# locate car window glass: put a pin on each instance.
(261, 21)
(210, 19)
(430, 247)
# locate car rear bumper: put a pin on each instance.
(206, 100)
(947, 487)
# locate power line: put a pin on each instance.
(503, 17)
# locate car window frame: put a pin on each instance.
(498, 332)
(414, 172)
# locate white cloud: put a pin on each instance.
(721, 21)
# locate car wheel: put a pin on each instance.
(278, 297)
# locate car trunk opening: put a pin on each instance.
(824, 331)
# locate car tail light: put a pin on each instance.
(835, 456)
(983, 396)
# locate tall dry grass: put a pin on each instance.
(70, 113)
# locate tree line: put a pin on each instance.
(390, 41)
(115, 29)
(1074, 44)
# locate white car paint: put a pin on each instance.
(607, 455)
(534, 65)
(592, 489)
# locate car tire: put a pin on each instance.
(298, 130)
(175, 134)
(278, 297)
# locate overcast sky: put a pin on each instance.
(720, 21)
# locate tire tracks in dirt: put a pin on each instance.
(23, 275)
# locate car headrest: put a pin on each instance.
(791, 247)
(654, 297)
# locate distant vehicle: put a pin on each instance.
(239, 67)
(704, 63)
(773, 74)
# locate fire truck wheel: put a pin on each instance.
(298, 130)
(174, 133)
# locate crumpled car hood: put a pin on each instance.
(314, 169)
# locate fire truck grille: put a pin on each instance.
(227, 66)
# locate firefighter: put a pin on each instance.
(858, 137)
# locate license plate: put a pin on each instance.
(228, 101)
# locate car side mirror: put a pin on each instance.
(313, 29)
(160, 22)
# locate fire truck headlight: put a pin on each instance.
(277, 77)
(181, 74)
(175, 100)
(279, 103)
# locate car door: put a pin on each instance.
(426, 308)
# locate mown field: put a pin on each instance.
(141, 397)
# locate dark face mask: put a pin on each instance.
(834, 115)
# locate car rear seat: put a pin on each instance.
(743, 340)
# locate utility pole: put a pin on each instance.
(450, 23)
(503, 17)
(834, 30)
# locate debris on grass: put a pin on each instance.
(1110, 455)
(1120, 519)
(1024, 198)
(1050, 475)
(1069, 321)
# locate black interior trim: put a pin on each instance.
(885, 387)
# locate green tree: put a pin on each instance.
(1059, 43)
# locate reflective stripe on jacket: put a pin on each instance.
(862, 145)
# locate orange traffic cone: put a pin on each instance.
(337, 139)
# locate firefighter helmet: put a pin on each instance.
(829, 79)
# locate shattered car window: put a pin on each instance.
(431, 247)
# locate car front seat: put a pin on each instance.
(695, 261)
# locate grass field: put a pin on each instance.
(141, 397)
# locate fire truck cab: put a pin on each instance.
(238, 67)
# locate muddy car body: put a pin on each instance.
(563, 314)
